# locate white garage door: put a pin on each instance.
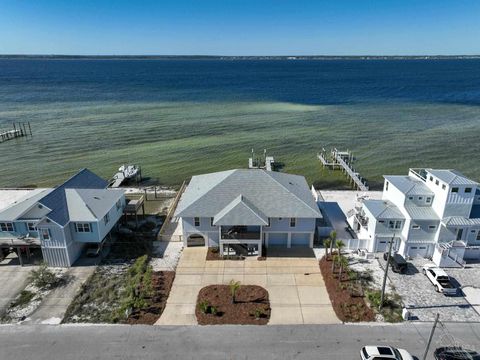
(300, 240)
(277, 239)
(417, 251)
(381, 245)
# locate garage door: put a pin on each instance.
(279, 239)
(300, 240)
(381, 245)
(472, 253)
(417, 251)
(195, 240)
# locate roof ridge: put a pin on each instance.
(288, 191)
(83, 200)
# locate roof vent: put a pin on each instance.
(40, 206)
(96, 197)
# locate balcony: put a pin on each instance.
(240, 232)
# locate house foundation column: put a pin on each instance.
(311, 240)
(289, 240)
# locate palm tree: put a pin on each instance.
(234, 286)
(343, 262)
(335, 259)
(340, 245)
(333, 239)
(326, 245)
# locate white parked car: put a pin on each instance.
(384, 353)
(439, 279)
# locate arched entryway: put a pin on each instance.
(195, 240)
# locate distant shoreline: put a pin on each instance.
(227, 58)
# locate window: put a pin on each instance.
(437, 182)
(381, 221)
(279, 219)
(119, 204)
(410, 198)
(468, 190)
(444, 186)
(431, 227)
(394, 224)
(8, 226)
(386, 185)
(106, 218)
(46, 234)
(211, 221)
(420, 198)
(455, 190)
(431, 178)
(415, 227)
(293, 222)
(83, 227)
(31, 226)
(197, 221)
(428, 199)
(398, 224)
(478, 235)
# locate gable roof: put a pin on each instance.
(409, 185)
(383, 209)
(451, 177)
(272, 194)
(22, 205)
(240, 212)
(83, 197)
(57, 199)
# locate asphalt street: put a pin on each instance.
(75, 342)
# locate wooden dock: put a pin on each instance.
(19, 130)
(261, 162)
(343, 160)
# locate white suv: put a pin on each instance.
(384, 353)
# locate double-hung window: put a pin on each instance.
(83, 227)
(6, 226)
(197, 221)
(293, 222)
(31, 226)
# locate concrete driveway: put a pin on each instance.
(13, 279)
(295, 286)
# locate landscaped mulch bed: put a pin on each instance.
(213, 254)
(249, 298)
(348, 306)
(162, 283)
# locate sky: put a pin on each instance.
(240, 27)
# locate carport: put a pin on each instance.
(22, 247)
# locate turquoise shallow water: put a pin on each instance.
(177, 119)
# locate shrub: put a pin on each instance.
(213, 310)
(258, 313)
(23, 299)
(375, 297)
(234, 286)
(204, 306)
(43, 277)
(215, 250)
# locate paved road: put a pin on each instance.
(68, 342)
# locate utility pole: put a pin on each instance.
(382, 299)
(431, 337)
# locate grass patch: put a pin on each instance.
(392, 308)
(44, 278)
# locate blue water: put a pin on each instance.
(181, 117)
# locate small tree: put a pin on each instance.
(339, 245)
(234, 286)
(334, 262)
(333, 239)
(343, 262)
(326, 245)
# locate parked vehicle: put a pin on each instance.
(384, 353)
(439, 279)
(93, 250)
(455, 353)
(397, 262)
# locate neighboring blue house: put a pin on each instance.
(245, 208)
(64, 219)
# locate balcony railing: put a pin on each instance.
(246, 235)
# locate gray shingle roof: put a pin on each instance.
(273, 194)
(451, 177)
(409, 185)
(383, 209)
(91, 204)
(460, 221)
(240, 212)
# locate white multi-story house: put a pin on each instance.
(429, 213)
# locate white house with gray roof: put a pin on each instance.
(242, 209)
(429, 213)
(62, 220)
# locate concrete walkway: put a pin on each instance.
(295, 286)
